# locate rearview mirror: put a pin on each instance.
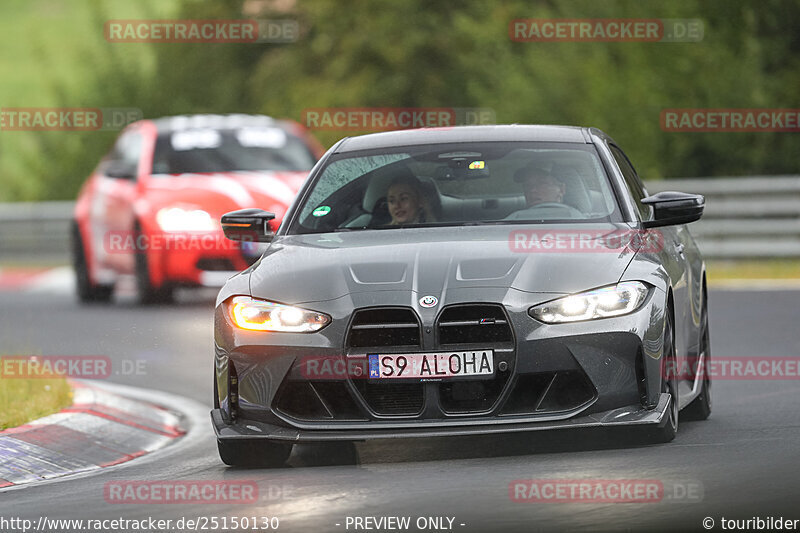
(672, 208)
(249, 225)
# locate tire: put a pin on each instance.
(86, 290)
(700, 408)
(253, 453)
(669, 384)
(148, 294)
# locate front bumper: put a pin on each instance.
(202, 260)
(611, 369)
(633, 415)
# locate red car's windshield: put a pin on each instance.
(215, 150)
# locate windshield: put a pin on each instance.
(459, 184)
(216, 150)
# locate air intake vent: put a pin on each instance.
(392, 398)
(384, 327)
(474, 324)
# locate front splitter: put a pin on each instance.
(633, 415)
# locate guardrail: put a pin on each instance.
(745, 218)
(752, 217)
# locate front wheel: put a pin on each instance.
(87, 291)
(247, 452)
(669, 385)
(700, 408)
(147, 292)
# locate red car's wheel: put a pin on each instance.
(147, 292)
(88, 292)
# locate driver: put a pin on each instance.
(544, 194)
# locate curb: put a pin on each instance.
(100, 429)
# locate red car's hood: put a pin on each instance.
(220, 192)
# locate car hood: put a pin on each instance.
(220, 192)
(431, 261)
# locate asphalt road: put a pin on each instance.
(741, 463)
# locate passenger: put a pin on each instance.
(406, 202)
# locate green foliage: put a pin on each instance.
(418, 53)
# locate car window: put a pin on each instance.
(457, 184)
(201, 149)
(125, 154)
(632, 181)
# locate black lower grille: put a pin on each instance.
(300, 400)
(392, 398)
(461, 397)
(317, 400)
(549, 392)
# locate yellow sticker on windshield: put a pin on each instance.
(477, 165)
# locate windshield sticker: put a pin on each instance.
(261, 137)
(195, 140)
(477, 165)
(321, 211)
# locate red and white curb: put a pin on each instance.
(100, 429)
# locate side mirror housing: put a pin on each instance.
(673, 208)
(248, 225)
(119, 170)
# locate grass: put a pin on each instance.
(43, 64)
(23, 400)
(719, 270)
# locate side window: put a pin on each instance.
(124, 157)
(632, 181)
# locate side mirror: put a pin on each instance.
(119, 170)
(248, 225)
(672, 208)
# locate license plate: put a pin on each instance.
(431, 365)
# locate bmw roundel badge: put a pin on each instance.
(428, 301)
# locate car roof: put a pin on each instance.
(457, 134)
(213, 121)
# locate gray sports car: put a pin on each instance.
(461, 281)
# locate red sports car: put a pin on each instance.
(152, 206)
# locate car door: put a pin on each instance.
(673, 257)
(111, 215)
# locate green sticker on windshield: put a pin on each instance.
(321, 211)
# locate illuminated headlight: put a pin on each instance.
(616, 300)
(261, 315)
(179, 219)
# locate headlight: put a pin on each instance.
(261, 315)
(179, 219)
(616, 300)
